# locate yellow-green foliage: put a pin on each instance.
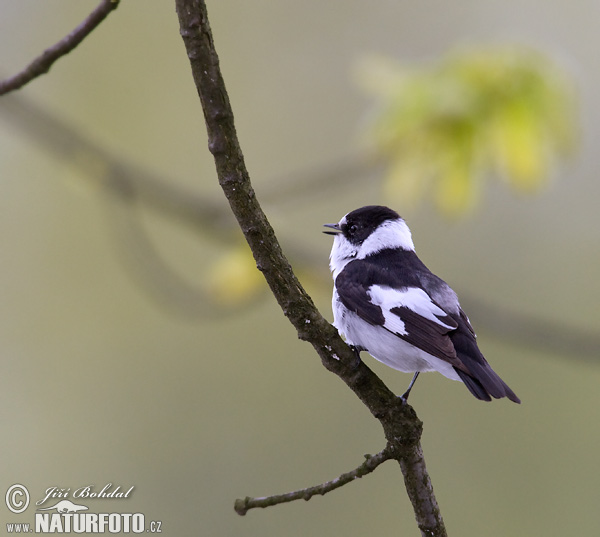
(234, 278)
(444, 127)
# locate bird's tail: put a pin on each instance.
(488, 385)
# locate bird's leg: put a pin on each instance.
(356, 351)
(405, 395)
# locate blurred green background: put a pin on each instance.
(115, 370)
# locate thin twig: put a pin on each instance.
(370, 464)
(401, 426)
(44, 62)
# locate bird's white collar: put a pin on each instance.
(393, 234)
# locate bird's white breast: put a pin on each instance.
(385, 346)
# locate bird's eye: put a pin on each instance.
(353, 229)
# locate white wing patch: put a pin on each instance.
(413, 298)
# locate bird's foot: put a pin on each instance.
(404, 396)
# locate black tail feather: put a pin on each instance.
(492, 385)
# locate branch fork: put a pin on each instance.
(242, 506)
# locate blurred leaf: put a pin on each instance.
(443, 129)
(234, 278)
(517, 146)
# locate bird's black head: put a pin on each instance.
(357, 225)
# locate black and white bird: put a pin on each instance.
(388, 303)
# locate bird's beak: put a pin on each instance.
(335, 227)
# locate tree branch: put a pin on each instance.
(41, 65)
(401, 426)
(371, 462)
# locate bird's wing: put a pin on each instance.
(406, 311)
(394, 298)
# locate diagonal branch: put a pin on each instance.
(370, 464)
(401, 426)
(41, 65)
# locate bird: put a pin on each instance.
(388, 303)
